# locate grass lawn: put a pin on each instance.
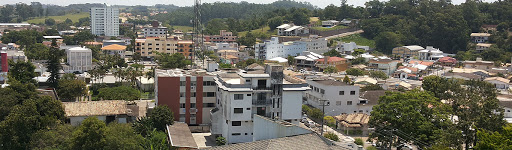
(265, 30)
(313, 19)
(183, 28)
(329, 29)
(73, 17)
(358, 39)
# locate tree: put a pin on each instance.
(439, 86)
(359, 141)
(331, 136)
(357, 61)
(57, 137)
(53, 64)
(7, 101)
(495, 140)
(156, 140)
(37, 52)
(121, 136)
(379, 75)
(90, 135)
(346, 80)
(330, 121)
(330, 69)
(273, 23)
(162, 116)
(119, 93)
(315, 113)
(332, 53)
(69, 89)
(167, 61)
(386, 41)
(248, 40)
(358, 52)
(143, 126)
(22, 71)
(413, 116)
(354, 72)
(291, 60)
(220, 141)
(49, 22)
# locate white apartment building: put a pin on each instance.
(316, 44)
(243, 94)
(291, 30)
(341, 97)
(79, 59)
(155, 32)
(348, 48)
(105, 21)
(272, 49)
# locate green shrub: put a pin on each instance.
(331, 136)
(359, 141)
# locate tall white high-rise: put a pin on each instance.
(105, 21)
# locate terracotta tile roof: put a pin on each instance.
(180, 135)
(332, 59)
(95, 108)
(353, 120)
(498, 79)
(426, 63)
(114, 47)
(298, 142)
(448, 59)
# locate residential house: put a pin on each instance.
(111, 42)
(480, 37)
(348, 48)
(189, 93)
(383, 64)
(478, 64)
(291, 30)
(340, 64)
(499, 82)
(488, 28)
(430, 53)
(223, 37)
(330, 23)
(233, 56)
(507, 106)
(480, 47)
(447, 61)
(363, 81)
(114, 49)
(353, 122)
(307, 60)
(411, 51)
(341, 98)
(463, 76)
(242, 95)
(109, 111)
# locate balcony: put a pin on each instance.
(261, 88)
(262, 102)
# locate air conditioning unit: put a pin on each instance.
(192, 87)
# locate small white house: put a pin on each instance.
(330, 23)
(499, 82)
(108, 111)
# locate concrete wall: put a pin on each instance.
(265, 128)
(292, 106)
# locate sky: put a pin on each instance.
(319, 3)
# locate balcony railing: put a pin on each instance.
(262, 102)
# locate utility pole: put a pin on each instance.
(323, 113)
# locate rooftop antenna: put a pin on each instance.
(197, 35)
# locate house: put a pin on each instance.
(363, 81)
(234, 55)
(499, 82)
(507, 106)
(341, 97)
(480, 47)
(180, 136)
(114, 49)
(411, 51)
(330, 23)
(478, 64)
(405, 72)
(463, 76)
(223, 37)
(339, 63)
(108, 111)
(243, 94)
(291, 30)
(480, 37)
(348, 48)
(447, 61)
(189, 93)
(430, 53)
(353, 122)
(489, 28)
(385, 65)
(79, 59)
(307, 60)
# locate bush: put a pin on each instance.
(220, 141)
(371, 148)
(359, 141)
(305, 108)
(315, 113)
(119, 93)
(332, 136)
(330, 121)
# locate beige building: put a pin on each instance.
(149, 46)
(407, 51)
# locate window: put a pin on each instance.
(192, 94)
(208, 83)
(208, 94)
(322, 91)
(239, 96)
(236, 134)
(349, 102)
(342, 93)
(352, 92)
(338, 103)
(193, 83)
(238, 110)
(192, 115)
(182, 94)
(192, 105)
(236, 123)
(182, 83)
(182, 105)
(248, 94)
(182, 115)
(208, 105)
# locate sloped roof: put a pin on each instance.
(484, 44)
(507, 104)
(448, 59)
(353, 120)
(180, 135)
(254, 66)
(480, 34)
(114, 47)
(414, 47)
(332, 59)
(331, 82)
(298, 142)
(498, 79)
(95, 108)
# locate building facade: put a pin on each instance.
(79, 59)
(291, 30)
(387, 66)
(241, 95)
(155, 31)
(223, 37)
(149, 46)
(272, 49)
(105, 21)
(190, 94)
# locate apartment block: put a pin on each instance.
(186, 48)
(243, 94)
(149, 46)
(190, 94)
(223, 37)
(105, 21)
(79, 59)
